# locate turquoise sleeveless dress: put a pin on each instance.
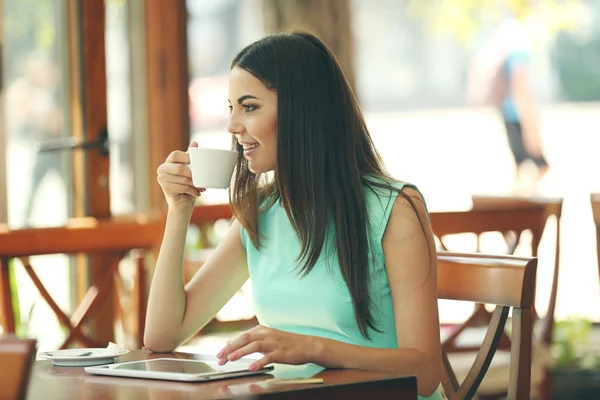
(319, 304)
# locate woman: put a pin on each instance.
(341, 256)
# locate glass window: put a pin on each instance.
(36, 109)
(118, 82)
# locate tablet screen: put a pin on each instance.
(161, 365)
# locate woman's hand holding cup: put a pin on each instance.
(175, 179)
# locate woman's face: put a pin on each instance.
(253, 119)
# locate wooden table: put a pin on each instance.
(48, 382)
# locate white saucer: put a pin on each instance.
(71, 358)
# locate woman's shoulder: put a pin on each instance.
(387, 188)
(385, 193)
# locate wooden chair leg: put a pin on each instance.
(450, 342)
(480, 317)
(545, 389)
(92, 299)
(512, 240)
(132, 313)
(60, 314)
(7, 316)
(141, 298)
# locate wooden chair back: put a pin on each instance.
(508, 282)
(506, 214)
(493, 219)
(16, 358)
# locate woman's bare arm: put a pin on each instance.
(176, 312)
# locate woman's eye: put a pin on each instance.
(249, 107)
(230, 108)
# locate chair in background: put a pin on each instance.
(16, 358)
(479, 221)
(511, 216)
(474, 278)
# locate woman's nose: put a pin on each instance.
(234, 125)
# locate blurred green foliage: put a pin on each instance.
(28, 25)
(570, 347)
(578, 66)
(20, 328)
(467, 18)
(569, 28)
(577, 57)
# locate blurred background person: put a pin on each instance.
(34, 115)
(500, 76)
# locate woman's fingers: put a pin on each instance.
(178, 156)
(174, 169)
(254, 347)
(235, 344)
(251, 341)
(177, 188)
(169, 178)
(267, 359)
(175, 178)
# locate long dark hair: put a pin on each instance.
(325, 156)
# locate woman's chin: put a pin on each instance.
(253, 169)
(257, 169)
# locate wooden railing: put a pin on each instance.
(117, 237)
(112, 239)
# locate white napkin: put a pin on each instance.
(113, 349)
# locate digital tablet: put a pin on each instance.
(177, 369)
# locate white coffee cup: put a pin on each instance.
(212, 168)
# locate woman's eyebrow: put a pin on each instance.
(245, 97)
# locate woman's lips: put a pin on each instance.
(250, 150)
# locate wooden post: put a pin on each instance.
(329, 20)
(7, 316)
(97, 165)
(168, 80)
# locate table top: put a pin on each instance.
(49, 382)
